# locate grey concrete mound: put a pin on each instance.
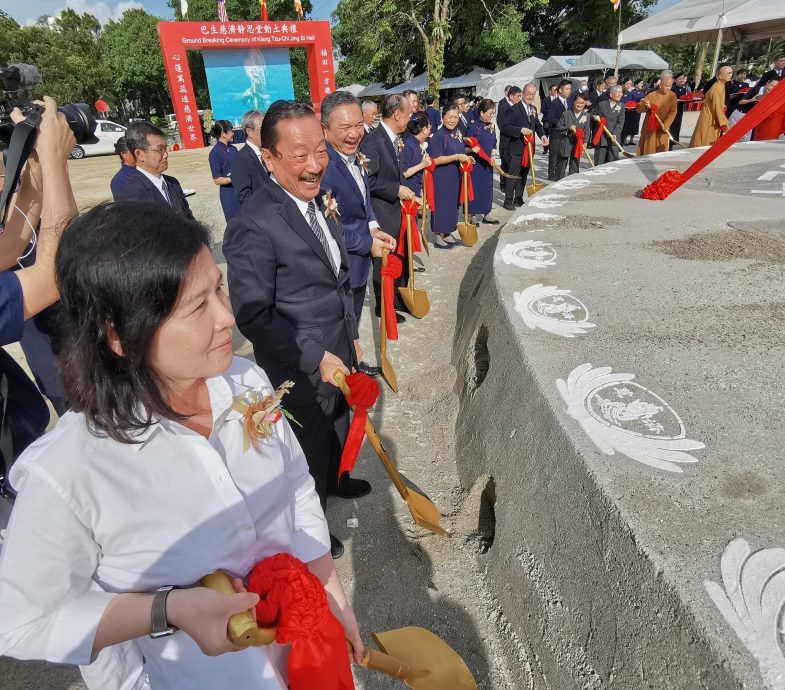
(632, 514)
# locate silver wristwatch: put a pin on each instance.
(160, 626)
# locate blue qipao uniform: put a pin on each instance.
(446, 179)
(482, 173)
(121, 178)
(412, 155)
(221, 159)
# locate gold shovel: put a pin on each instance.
(467, 230)
(535, 186)
(424, 211)
(387, 368)
(414, 655)
(614, 140)
(415, 299)
(574, 130)
(667, 131)
(424, 512)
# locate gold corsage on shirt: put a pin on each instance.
(260, 412)
(364, 162)
(330, 205)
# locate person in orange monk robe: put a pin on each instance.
(662, 101)
(774, 125)
(713, 120)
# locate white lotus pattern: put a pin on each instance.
(552, 310)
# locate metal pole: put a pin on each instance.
(717, 52)
(618, 45)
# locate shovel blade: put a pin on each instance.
(627, 154)
(425, 513)
(416, 300)
(468, 233)
(535, 187)
(421, 650)
(389, 373)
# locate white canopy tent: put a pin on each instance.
(354, 89)
(418, 83)
(375, 89)
(691, 21)
(465, 81)
(492, 86)
(556, 65)
(605, 58)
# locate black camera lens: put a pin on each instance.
(81, 122)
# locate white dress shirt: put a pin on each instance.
(255, 149)
(392, 135)
(358, 175)
(95, 517)
(335, 252)
(158, 181)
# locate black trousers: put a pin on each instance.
(504, 156)
(359, 299)
(514, 188)
(553, 154)
(605, 154)
(323, 432)
(561, 166)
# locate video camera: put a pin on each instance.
(21, 76)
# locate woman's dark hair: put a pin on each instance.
(485, 105)
(281, 110)
(221, 127)
(418, 123)
(447, 107)
(120, 266)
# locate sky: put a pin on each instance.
(27, 11)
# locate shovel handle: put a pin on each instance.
(242, 627)
(384, 663)
(340, 378)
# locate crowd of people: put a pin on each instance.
(159, 472)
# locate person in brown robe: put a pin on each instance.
(713, 120)
(667, 107)
(774, 125)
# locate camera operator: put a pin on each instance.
(44, 195)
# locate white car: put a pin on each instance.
(108, 133)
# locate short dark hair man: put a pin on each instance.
(147, 144)
(288, 274)
(248, 170)
(556, 109)
(127, 166)
(434, 116)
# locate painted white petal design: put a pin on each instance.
(620, 416)
(529, 254)
(547, 200)
(669, 154)
(552, 310)
(531, 217)
(752, 599)
(602, 170)
(631, 161)
(571, 183)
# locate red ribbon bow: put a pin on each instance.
(577, 151)
(473, 143)
(364, 392)
(293, 599)
(631, 105)
(528, 145)
(390, 273)
(427, 183)
(409, 210)
(467, 189)
(600, 130)
(654, 123)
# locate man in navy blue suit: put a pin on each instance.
(248, 170)
(556, 109)
(148, 183)
(346, 178)
(127, 167)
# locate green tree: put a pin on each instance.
(207, 10)
(132, 56)
(8, 36)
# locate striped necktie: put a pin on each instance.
(165, 190)
(319, 232)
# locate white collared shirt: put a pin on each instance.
(158, 181)
(255, 149)
(95, 517)
(392, 135)
(335, 251)
(358, 175)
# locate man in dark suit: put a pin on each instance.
(127, 166)
(512, 96)
(346, 178)
(370, 111)
(463, 109)
(248, 170)
(557, 108)
(553, 95)
(520, 121)
(777, 71)
(147, 182)
(434, 116)
(383, 147)
(288, 275)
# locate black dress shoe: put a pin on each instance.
(419, 269)
(490, 221)
(352, 488)
(365, 368)
(399, 318)
(519, 202)
(336, 547)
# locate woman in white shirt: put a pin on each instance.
(145, 483)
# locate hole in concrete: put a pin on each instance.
(486, 524)
(481, 359)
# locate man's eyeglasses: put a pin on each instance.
(157, 149)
